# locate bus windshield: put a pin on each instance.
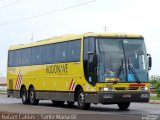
(121, 60)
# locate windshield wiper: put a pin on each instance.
(121, 68)
(131, 68)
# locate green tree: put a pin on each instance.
(155, 81)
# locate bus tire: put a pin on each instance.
(123, 106)
(32, 97)
(81, 101)
(24, 96)
(70, 103)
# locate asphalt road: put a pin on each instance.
(136, 111)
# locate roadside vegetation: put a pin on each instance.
(3, 89)
(155, 85)
(154, 98)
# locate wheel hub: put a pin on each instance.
(32, 96)
(81, 97)
(24, 96)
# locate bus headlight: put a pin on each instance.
(144, 88)
(106, 89)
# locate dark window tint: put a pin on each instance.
(36, 56)
(15, 58)
(89, 46)
(60, 52)
(85, 49)
(26, 56)
(73, 50)
(47, 54)
(10, 58)
(18, 59)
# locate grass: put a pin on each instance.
(2, 90)
(154, 98)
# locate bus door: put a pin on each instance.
(90, 60)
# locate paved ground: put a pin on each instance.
(96, 112)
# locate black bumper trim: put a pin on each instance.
(118, 97)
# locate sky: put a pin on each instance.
(24, 20)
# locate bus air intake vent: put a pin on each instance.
(120, 88)
(133, 88)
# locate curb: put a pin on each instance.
(154, 101)
(3, 93)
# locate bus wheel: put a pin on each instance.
(24, 96)
(123, 106)
(81, 101)
(32, 97)
(70, 103)
(57, 102)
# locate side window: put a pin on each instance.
(73, 50)
(60, 52)
(11, 58)
(26, 56)
(18, 56)
(47, 54)
(36, 55)
(15, 58)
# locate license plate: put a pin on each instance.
(127, 95)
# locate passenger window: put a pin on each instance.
(15, 58)
(10, 59)
(36, 56)
(60, 52)
(18, 56)
(26, 56)
(73, 51)
(47, 54)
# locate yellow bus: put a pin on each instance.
(108, 68)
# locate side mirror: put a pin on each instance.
(149, 61)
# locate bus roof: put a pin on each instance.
(68, 37)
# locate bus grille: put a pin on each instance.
(120, 88)
(125, 88)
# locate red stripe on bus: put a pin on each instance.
(19, 81)
(70, 85)
(136, 85)
(73, 85)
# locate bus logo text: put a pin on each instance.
(60, 69)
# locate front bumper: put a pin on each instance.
(117, 97)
